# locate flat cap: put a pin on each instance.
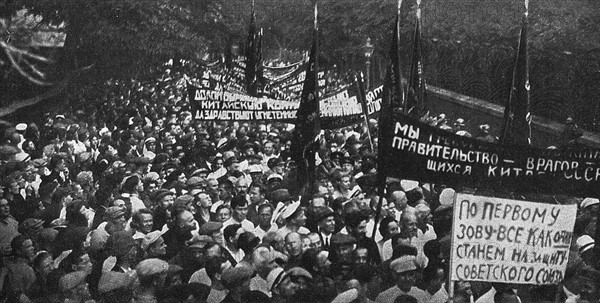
(340, 239)
(30, 224)
(114, 212)
(150, 238)
(209, 228)
(233, 276)
(403, 264)
(152, 266)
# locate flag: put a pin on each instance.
(415, 101)
(516, 129)
(393, 94)
(258, 66)
(392, 99)
(362, 98)
(308, 124)
(250, 54)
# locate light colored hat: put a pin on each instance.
(409, 185)
(346, 297)
(589, 202)
(403, 264)
(254, 168)
(585, 243)
(274, 277)
(150, 238)
(152, 266)
(21, 127)
(447, 196)
(290, 210)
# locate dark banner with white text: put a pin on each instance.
(338, 109)
(428, 154)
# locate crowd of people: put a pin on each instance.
(125, 197)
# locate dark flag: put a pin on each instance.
(415, 101)
(517, 117)
(250, 54)
(308, 124)
(393, 95)
(362, 98)
(258, 66)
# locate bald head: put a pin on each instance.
(408, 223)
(399, 199)
(293, 244)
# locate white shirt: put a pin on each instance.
(260, 233)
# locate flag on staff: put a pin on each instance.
(393, 98)
(393, 95)
(250, 54)
(415, 101)
(258, 66)
(517, 117)
(308, 123)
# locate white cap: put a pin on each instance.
(589, 202)
(21, 127)
(447, 196)
(585, 243)
(409, 185)
(290, 210)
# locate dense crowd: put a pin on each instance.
(125, 197)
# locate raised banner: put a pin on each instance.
(340, 109)
(509, 241)
(421, 152)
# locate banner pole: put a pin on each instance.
(363, 103)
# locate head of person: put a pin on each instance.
(341, 248)
(142, 220)
(275, 240)
(506, 296)
(215, 266)
(232, 233)
(152, 273)
(237, 279)
(43, 264)
(404, 271)
(223, 213)
(239, 205)
(315, 241)
(22, 247)
(165, 198)
(184, 221)
(241, 186)
(434, 277)
(399, 199)
(4, 208)
(115, 219)
(203, 200)
(293, 244)
(265, 214)
(388, 227)
(257, 193)
(408, 224)
(356, 224)
(212, 186)
(360, 255)
(133, 184)
(297, 218)
(262, 260)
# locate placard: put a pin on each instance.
(509, 241)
